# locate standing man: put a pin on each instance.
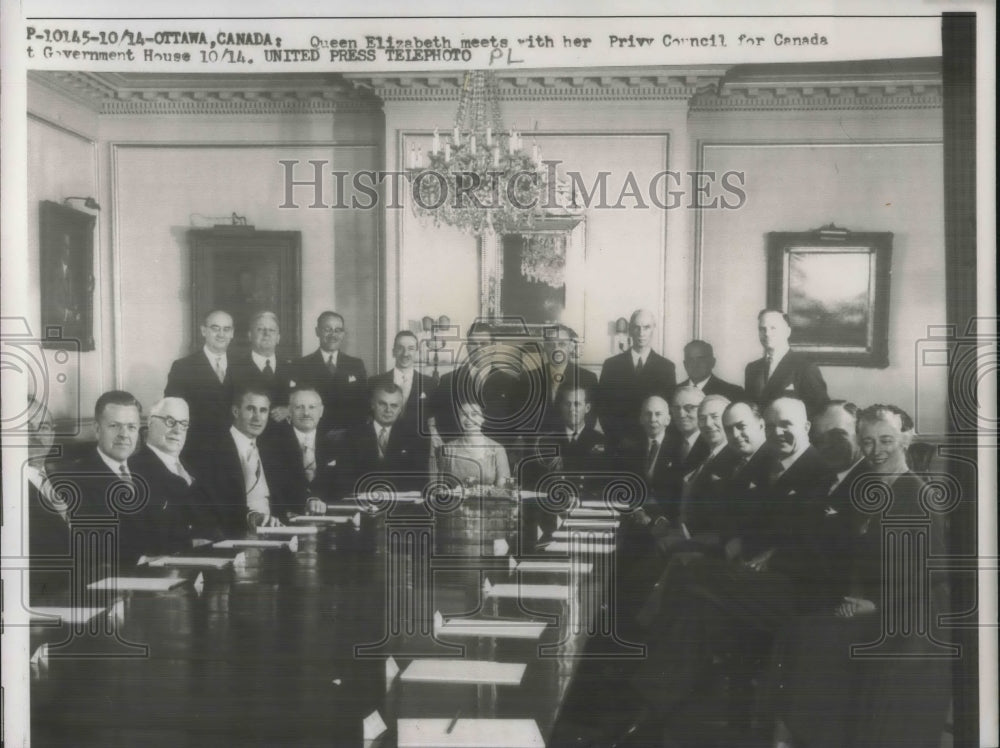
(204, 381)
(632, 376)
(782, 372)
(263, 369)
(699, 361)
(238, 472)
(417, 389)
(340, 379)
(559, 369)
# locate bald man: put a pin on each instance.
(630, 377)
(264, 368)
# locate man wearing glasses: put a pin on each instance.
(176, 511)
(204, 382)
(340, 379)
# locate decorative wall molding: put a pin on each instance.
(137, 94)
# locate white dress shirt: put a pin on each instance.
(260, 361)
(172, 463)
(403, 378)
(218, 361)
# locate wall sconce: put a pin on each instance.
(427, 332)
(618, 331)
(88, 202)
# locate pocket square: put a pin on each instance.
(332, 463)
(753, 485)
(423, 395)
(830, 511)
(291, 382)
(352, 378)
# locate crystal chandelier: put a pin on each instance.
(479, 179)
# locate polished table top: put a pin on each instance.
(290, 648)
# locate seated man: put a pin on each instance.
(306, 456)
(385, 448)
(48, 520)
(176, 513)
(573, 452)
(237, 473)
(560, 369)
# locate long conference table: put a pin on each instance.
(356, 628)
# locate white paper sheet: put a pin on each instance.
(563, 547)
(468, 733)
(303, 530)
(64, 616)
(529, 591)
(208, 562)
(257, 543)
(554, 566)
(463, 671)
(137, 584)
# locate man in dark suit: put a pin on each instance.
(699, 361)
(237, 471)
(630, 377)
(204, 380)
(483, 379)
(559, 368)
(782, 372)
(176, 513)
(386, 448)
(686, 447)
(262, 368)
(103, 480)
(307, 463)
(417, 389)
(571, 453)
(340, 379)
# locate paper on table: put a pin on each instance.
(323, 519)
(585, 512)
(562, 547)
(285, 530)
(211, 562)
(492, 627)
(63, 616)
(391, 671)
(590, 523)
(554, 566)
(468, 733)
(255, 543)
(350, 507)
(406, 497)
(592, 505)
(527, 591)
(585, 534)
(464, 671)
(137, 584)
(373, 726)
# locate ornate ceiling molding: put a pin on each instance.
(136, 94)
(883, 84)
(609, 84)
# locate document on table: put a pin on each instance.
(584, 512)
(304, 530)
(587, 535)
(64, 616)
(404, 497)
(468, 733)
(578, 567)
(588, 523)
(253, 543)
(323, 519)
(595, 506)
(137, 584)
(207, 562)
(580, 545)
(500, 628)
(463, 671)
(527, 591)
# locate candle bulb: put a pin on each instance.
(534, 153)
(455, 136)
(510, 144)
(447, 152)
(496, 155)
(436, 143)
(472, 144)
(489, 137)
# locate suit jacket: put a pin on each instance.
(663, 488)
(621, 392)
(417, 409)
(344, 394)
(716, 386)
(209, 401)
(49, 539)
(289, 474)
(573, 374)
(406, 463)
(246, 374)
(174, 514)
(705, 503)
(219, 471)
(499, 393)
(795, 375)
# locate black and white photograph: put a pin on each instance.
(481, 377)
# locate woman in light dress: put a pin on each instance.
(473, 457)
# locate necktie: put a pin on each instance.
(268, 370)
(770, 363)
(256, 483)
(383, 441)
(654, 448)
(405, 385)
(573, 436)
(638, 366)
(331, 365)
(685, 450)
(309, 461)
(125, 474)
(219, 371)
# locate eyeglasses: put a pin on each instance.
(217, 329)
(173, 423)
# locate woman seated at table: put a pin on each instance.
(893, 688)
(473, 457)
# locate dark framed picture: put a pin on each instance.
(66, 254)
(834, 286)
(245, 271)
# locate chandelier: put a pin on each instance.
(479, 178)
